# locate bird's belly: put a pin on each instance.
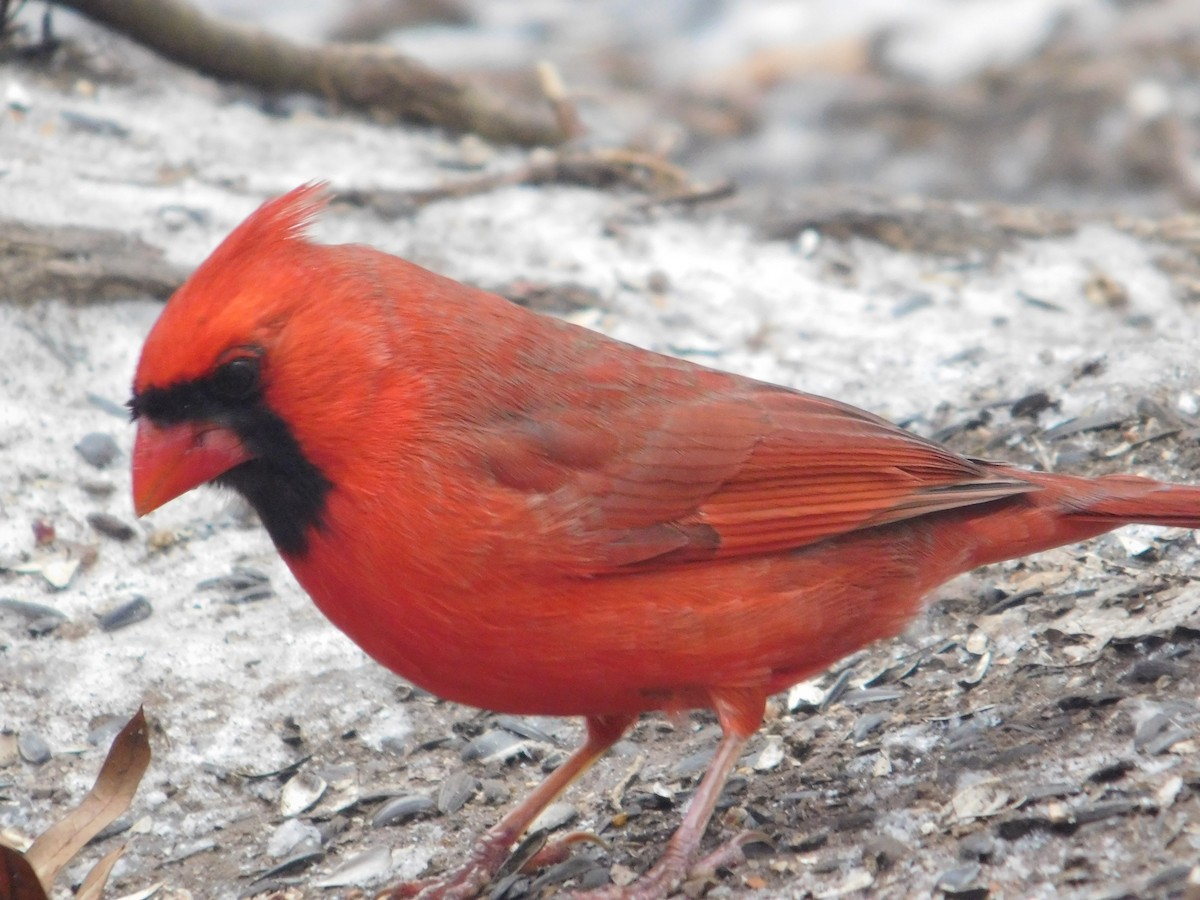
(631, 643)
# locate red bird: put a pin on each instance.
(523, 515)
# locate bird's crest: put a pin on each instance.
(281, 219)
(243, 287)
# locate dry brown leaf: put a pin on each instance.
(93, 886)
(115, 786)
(18, 881)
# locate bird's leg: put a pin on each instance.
(740, 714)
(493, 848)
(673, 866)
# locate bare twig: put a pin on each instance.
(661, 180)
(82, 265)
(357, 76)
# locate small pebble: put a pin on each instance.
(978, 845)
(32, 748)
(622, 876)
(959, 878)
(111, 526)
(770, 756)
(136, 610)
(494, 791)
(554, 816)
(98, 449)
(593, 879)
(97, 487)
(394, 743)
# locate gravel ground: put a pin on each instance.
(1033, 735)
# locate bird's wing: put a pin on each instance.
(718, 467)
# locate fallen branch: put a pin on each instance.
(353, 75)
(81, 265)
(662, 181)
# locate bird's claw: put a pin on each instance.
(405, 891)
(671, 872)
(469, 880)
(728, 855)
(462, 884)
(558, 850)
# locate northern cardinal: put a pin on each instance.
(520, 514)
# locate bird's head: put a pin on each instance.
(227, 365)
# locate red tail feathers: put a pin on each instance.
(1126, 499)
(1070, 508)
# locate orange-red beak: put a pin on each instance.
(171, 461)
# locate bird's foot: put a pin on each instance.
(461, 884)
(468, 880)
(492, 852)
(488, 860)
(657, 884)
(673, 870)
(728, 855)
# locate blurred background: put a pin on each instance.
(1085, 105)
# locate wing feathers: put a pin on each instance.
(711, 466)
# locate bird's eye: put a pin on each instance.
(237, 379)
